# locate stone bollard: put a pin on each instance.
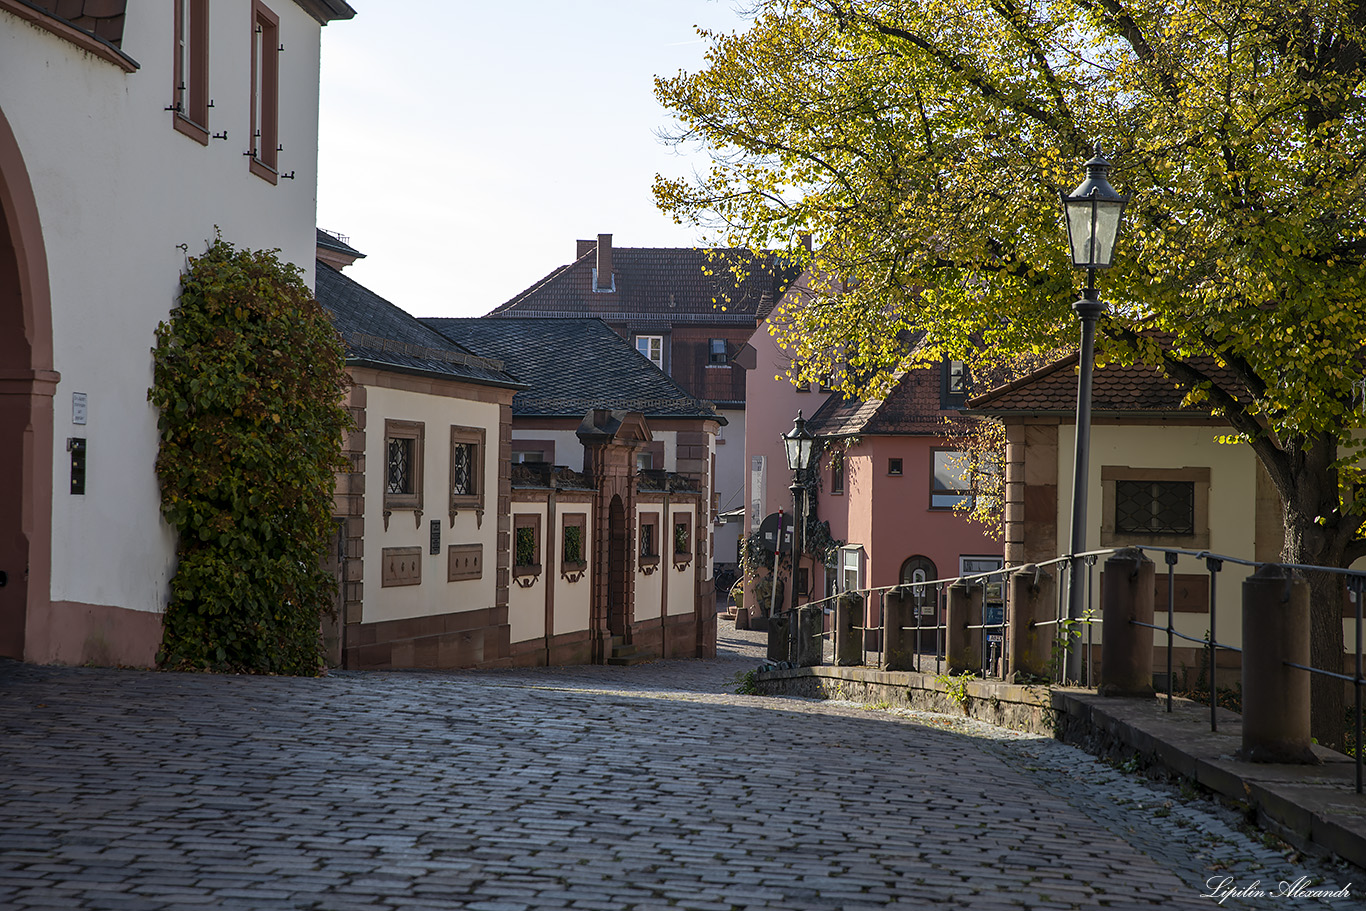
(805, 633)
(777, 638)
(898, 630)
(1126, 650)
(963, 646)
(848, 645)
(1031, 600)
(1276, 697)
(742, 614)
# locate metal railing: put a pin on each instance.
(930, 598)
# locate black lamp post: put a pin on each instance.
(1093, 212)
(799, 444)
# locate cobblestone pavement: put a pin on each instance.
(586, 788)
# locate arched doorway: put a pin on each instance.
(27, 385)
(920, 569)
(617, 568)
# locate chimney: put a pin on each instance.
(806, 241)
(583, 246)
(604, 279)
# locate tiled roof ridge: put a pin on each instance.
(1031, 377)
(538, 285)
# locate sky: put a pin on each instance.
(464, 146)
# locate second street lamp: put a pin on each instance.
(1093, 212)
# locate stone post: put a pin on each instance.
(848, 644)
(806, 636)
(1276, 697)
(963, 646)
(1032, 599)
(1126, 650)
(777, 638)
(898, 630)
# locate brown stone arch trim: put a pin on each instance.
(27, 388)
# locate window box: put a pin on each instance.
(526, 549)
(574, 547)
(682, 540)
(648, 559)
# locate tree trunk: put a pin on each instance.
(1317, 534)
(1327, 697)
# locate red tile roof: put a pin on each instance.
(660, 285)
(1115, 389)
(911, 408)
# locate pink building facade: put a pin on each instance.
(886, 482)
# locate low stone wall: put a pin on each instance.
(1024, 708)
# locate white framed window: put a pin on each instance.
(949, 481)
(716, 353)
(851, 568)
(645, 461)
(652, 346)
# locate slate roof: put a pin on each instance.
(663, 286)
(573, 365)
(1116, 389)
(379, 334)
(330, 241)
(912, 408)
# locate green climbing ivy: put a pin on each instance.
(249, 377)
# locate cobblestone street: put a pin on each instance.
(594, 788)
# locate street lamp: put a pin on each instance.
(798, 444)
(1093, 212)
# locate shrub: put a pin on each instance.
(249, 377)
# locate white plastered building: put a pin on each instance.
(129, 134)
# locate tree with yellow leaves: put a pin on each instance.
(925, 144)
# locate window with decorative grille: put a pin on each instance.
(462, 469)
(467, 469)
(1155, 507)
(401, 465)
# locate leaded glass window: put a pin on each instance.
(1155, 507)
(400, 475)
(462, 469)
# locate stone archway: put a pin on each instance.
(27, 386)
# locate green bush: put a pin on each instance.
(249, 377)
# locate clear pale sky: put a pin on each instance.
(465, 145)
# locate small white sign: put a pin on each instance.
(78, 407)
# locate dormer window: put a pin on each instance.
(652, 346)
(953, 389)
